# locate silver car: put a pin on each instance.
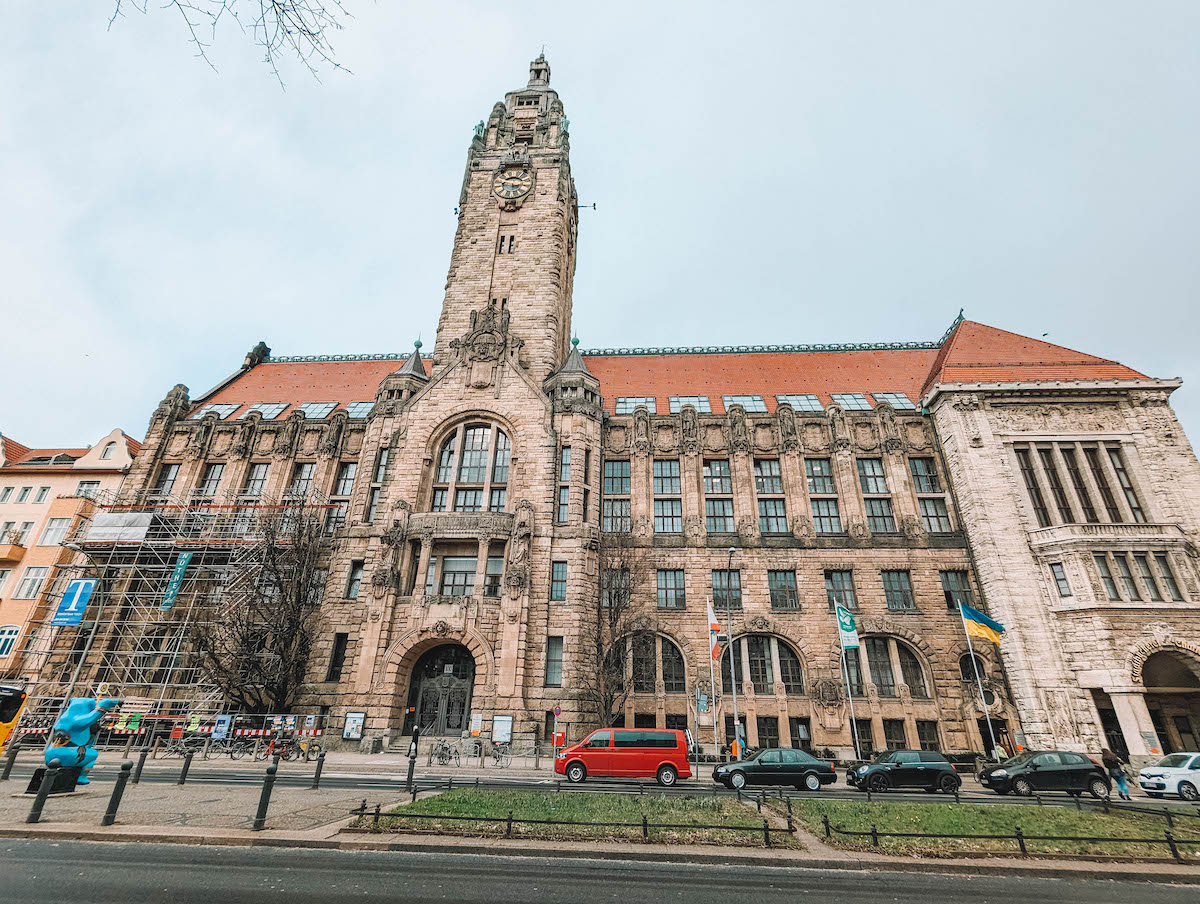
(1178, 773)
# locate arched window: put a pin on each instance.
(882, 653)
(479, 483)
(650, 658)
(108, 450)
(762, 659)
(914, 675)
(8, 638)
(968, 670)
(674, 680)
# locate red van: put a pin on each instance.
(628, 752)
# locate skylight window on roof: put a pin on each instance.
(801, 401)
(897, 400)
(626, 404)
(749, 402)
(851, 401)
(699, 402)
(221, 409)
(317, 410)
(268, 410)
(359, 409)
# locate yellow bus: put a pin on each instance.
(12, 701)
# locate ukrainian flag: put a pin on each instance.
(979, 625)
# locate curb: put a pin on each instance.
(721, 856)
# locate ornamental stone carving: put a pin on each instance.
(641, 430)
(967, 402)
(1155, 398)
(759, 623)
(789, 435)
(330, 445)
(888, 428)
(828, 692)
(739, 431)
(287, 435)
(912, 529)
(689, 431)
(802, 528)
(838, 428)
(485, 345)
(244, 435)
(201, 432)
(858, 530)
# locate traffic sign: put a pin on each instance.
(558, 710)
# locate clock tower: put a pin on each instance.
(514, 249)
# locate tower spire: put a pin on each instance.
(539, 72)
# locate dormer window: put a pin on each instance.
(107, 453)
(530, 100)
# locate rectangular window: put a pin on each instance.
(1147, 575)
(751, 403)
(615, 515)
(768, 731)
(54, 532)
(866, 742)
(1081, 490)
(871, 476)
(893, 734)
(727, 589)
(492, 576)
(1060, 579)
(8, 640)
(880, 663)
(934, 515)
(851, 401)
(767, 480)
(1050, 466)
(1168, 576)
(627, 404)
(354, 580)
(853, 663)
(666, 477)
(498, 499)
(820, 476)
(880, 519)
(614, 585)
(458, 575)
(25, 491)
(587, 504)
(31, 583)
(5, 493)
(826, 517)
(782, 587)
(564, 464)
(668, 516)
(4, 573)
(302, 477)
(759, 653)
(839, 590)
(502, 459)
(558, 580)
(803, 401)
(957, 588)
(343, 485)
(381, 465)
(373, 503)
(897, 588)
(1031, 485)
(464, 500)
(1096, 466)
(717, 480)
(554, 657)
(587, 466)
(699, 402)
(562, 510)
(1110, 586)
(256, 479)
(166, 481)
(1127, 581)
(718, 516)
(1117, 457)
(925, 476)
(799, 727)
(772, 516)
(897, 400)
(212, 479)
(430, 574)
(616, 478)
(23, 534)
(42, 493)
(927, 734)
(337, 659)
(268, 410)
(87, 489)
(438, 501)
(674, 676)
(359, 409)
(671, 593)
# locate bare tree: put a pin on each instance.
(254, 638)
(299, 28)
(604, 685)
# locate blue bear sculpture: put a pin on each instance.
(75, 730)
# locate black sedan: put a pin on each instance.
(1047, 770)
(777, 766)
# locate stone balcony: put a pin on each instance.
(10, 552)
(1106, 535)
(461, 525)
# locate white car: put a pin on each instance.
(1178, 773)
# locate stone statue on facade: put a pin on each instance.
(689, 431)
(789, 435)
(739, 430)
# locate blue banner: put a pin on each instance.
(71, 606)
(173, 585)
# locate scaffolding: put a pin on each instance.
(160, 563)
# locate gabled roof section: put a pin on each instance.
(977, 353)
(415, 365)
(11, 450)
(574, 363)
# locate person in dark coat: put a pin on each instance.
(1116, 771)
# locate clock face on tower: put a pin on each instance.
(512, 182)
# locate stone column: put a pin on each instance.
(1134, 717)
(422, 567)
(481, 566)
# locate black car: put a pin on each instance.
(1048, 770)
(777, 766)
(926, 769)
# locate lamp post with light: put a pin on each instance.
(737, 735)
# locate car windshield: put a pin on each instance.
(889, 757)
(1175, 760)
(1019, 759)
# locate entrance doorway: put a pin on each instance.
(1000, 730)
(440, 690)
(1172, 683)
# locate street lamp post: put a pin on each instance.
(732, 662)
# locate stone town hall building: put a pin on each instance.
(1053, 489)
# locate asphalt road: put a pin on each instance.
(40, 871)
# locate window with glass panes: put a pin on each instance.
(862, 733)
(927, 735)
(803, 401)
(768, 731)
(673, 671)
(880, 517)
(1025, 463)
(790, 672)
(256, 479)
(354, 580)
(1060, 578)
(718, 502)
(934, 515)
(871, 477)
(755, 656)
(343, 483)
(751, 403)
(471, 473)
(302, 478)
(1075, 475)
(718, 516)
(727, 589)
(644, 662)
(924, 475)
(493, 576)
(1096, 466)
(893, 734)
(826, 516)
(1057, 492)
(956, 587)
(167, 475)
(54, 532)
(614, 588)
(1106, 577)
(851, 401)
(31, 582)
(819, 472)
(558, 580)
(772, 516)
(897, 589)
(1117, 456)
(879, 661)
(699, 402)
(852, 661)
(668, 512)
(839, 589)
(670, 588)
(1164, 569)
(458, 576)
(614, 508)
(897, 400)
(800, 731)
(782, 587)
(211, 479)
(1126, 576)
(554, 658)
(913, 673)
(629, 404)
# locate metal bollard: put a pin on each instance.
(1021, 842)
(1171, 844)
(645, 828)
(128, 745)
(35, 812)
(375, 819)
(317, 775)
(137, 773)
(260, 818)
(874, 836)
(791, 825)
(767, 833)
(187, 764)
(825, 822)
(9, 760)
(508, 827)
(110, 815)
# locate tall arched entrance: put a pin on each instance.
(1172, 681)
(440, 690)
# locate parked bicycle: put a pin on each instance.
(502, 753)
(445, 753)
(181, 747)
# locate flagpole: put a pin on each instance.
(850, 697)
(712, 685)
(978, 680)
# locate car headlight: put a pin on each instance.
(1000, 773)
(561, 755)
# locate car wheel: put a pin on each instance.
(812, 782)
(1022, 787)
(667, 775)
(877, 783)
(1098, 788)
(576, 773)
(738, 780)
(1187, 791)
(948, 784)
(1157, 795)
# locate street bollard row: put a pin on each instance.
(9, 760)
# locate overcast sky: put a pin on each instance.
(793, 172)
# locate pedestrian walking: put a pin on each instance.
(1116, 771)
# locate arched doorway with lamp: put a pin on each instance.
(440, 690)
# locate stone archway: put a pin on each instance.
(440, 688)
(1171, 678)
